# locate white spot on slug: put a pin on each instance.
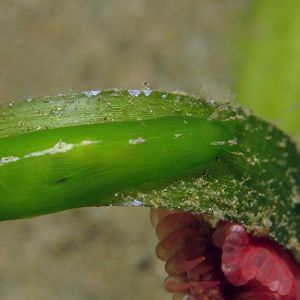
(60, 147)
(177, 135)
(8, 159)
(137, 141)
(134, 93)
(92, 93)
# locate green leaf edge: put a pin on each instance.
(255, 182)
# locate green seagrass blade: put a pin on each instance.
(146, 148)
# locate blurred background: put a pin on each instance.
(238, 50)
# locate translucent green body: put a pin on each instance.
(84, 165)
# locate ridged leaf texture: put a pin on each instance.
(147, 148)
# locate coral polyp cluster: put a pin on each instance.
(224, 262)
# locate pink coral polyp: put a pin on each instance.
(225, 262)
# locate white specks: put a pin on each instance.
(133, 203)
(232, 142)
(222, 143)
(137, 141)
(267, 222)
(177, 135)
(247, 111)
(283, 143)
(8, 159)
(134, 93)
(137, 203)
(87, 142)
(236, 153)
(164, 96)
(216, 113)
(253, 160)
(218, 143)
(92, 93)
(233, 118)
(147, 92)
(60, 147)
(295, 195)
